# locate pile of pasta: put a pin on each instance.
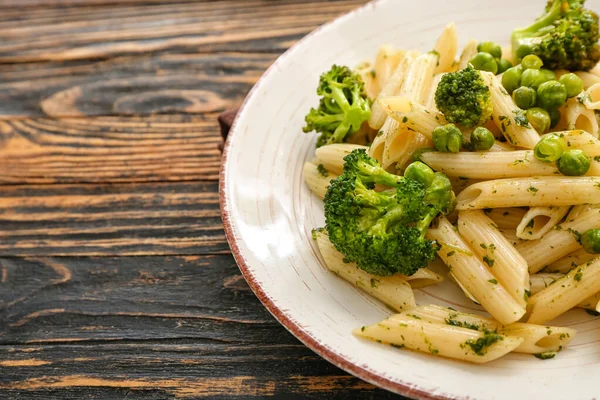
(512, 243)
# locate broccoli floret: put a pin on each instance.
(566, 36)
(384, 232)
(464, 98)
(343, 107)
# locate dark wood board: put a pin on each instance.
(116, 280)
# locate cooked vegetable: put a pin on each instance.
(525, 97)
(554, 117)
(590, 240)
(551, 95)
(565, 36)
(384, 232)
(550, 148)
(491, 48)
(573, 162)
(532, 62)
(484, 62)
(343, 106)
(481, 139)
(539, 119)
(504, 65)
(535, 77)
(464, 98)
(573, 84)
(511, 79)
(416, 156)
(447, 138)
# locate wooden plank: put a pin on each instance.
(119, 219)
(63, 33)
(150, 327)
(169, 83)
(110, 149)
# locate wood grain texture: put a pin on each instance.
(130, 85)
(181, 327)
(110, 149)
(162, 218)
(76, 33)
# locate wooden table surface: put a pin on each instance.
(116, 280)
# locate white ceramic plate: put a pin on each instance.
(269, 213)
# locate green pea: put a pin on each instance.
(534, 78)
(482, 139)
(590, 240)
(549, 74)
(491, 48)
(419, 172)
(525, 97)
(511, 79)
(573, 162)
(532, 62)
(554, 117)
(539, 119)
(416, 156)
(504, 65)
(484, 62)
(573, 84)
(447, 138)
(549, 149)
(523, 50)
(551, 95)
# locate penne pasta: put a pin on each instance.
(413, 115)
(393, 291)
(591, 303)
(540, 220)
(442, 340)
(367, 72)
(377, 148)
(591, 97)
(391, 88)
(488, 243)
(473, 274)
(570, 261)
(417, 83)
(564, 294)
(468, 52)
(559, 242)
(506, 218)
(430, 100)
(541, 281)
(332, 156)
(532, 192)
(508, 117)
(498, 164)
(386, 61)
(578, 116)
(317, 179)
(536, 338)
(511, 236)
(401, 147)
(446, 48)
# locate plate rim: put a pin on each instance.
(361, 372)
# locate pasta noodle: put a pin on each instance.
(386, 61)
(506, 218)
(505, 262)
(540, 220)
(415, 116)
(316, 181)
(430, 100)
(559, 242)
(570, 261)
(508, 117)
(589, 79)
(511, 235)
(531, 192)
(564, 294)
(393, 291)
(367, 73)
(446, 48)
(591, 97)
(577, 116)
(332, 156)
(473, 274)
(443, 340)
(536, 338)
(468, 52)
(541, 281)
(391, 88)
